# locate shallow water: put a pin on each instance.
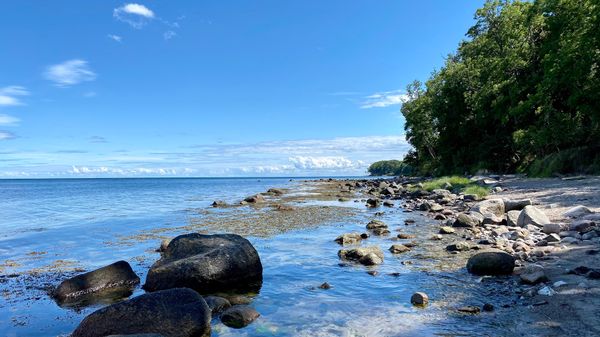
(75, 222)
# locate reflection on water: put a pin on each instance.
(82, 218)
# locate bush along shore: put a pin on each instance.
(199, 277)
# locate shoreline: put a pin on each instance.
(348, 197)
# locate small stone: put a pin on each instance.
(388, 203)
(380, 231)
(373, 202)
(239, 299)
(437, 237)
(217, 304)
(419, 298)
(219, 203)
(364, 236)
(349, 239)
(376, 224)
(458, 247)
(370, 259)
(550, 228)
(405, 236)
(447, 230)
(546, 291)
(373, 272)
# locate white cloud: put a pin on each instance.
(384, 99)
(324, 163)
(8, 120)
(69, 73)
(136, 15)
(169, 35)
(10, 95)
(143, 171)
(5, 135)
(115, 37)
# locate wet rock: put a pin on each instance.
(419, 298)
(325, 286)
(466, 220)
(470, 309)
(488, 307)
(388, 203)
(364, 235)
(436, 237)
(254, 199)
(217, 304)
(208, 264)
(397, 249)
(533, 274)
(516, 205)
(435, 207)
(512, 218)
(492, 262)
(458, 247)
(104, 282)
(175, 312)
(349, 239)
(494, 207)
(239, 316)
(364, 255)
(219, 203)
(577, 212)
(532, 216)
(371, 259)
(380, 231)
(376, 224)
(440, 217)
(546, 291)
(372, 202)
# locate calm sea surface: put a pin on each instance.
(71, 222)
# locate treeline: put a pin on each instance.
(521, 93)
(390, 168)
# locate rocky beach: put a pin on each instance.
(511, 263)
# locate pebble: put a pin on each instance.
(469, 309)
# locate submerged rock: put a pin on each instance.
(349, 238)
(109, 281)
(364, 255)
(397, 249)
(239, 316)
(492, 262)
(207, 264)
(171, 313)
(217, 304)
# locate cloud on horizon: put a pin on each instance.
(6, 135)
(70, 73)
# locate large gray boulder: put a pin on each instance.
(112, 281)
(472, 219)
(491, 262)
(207, 264)
(494, 207)
(532, 216)
(170, 313)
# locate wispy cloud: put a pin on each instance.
(6, 135)
(98, 139)
(8, 120)
(115, 37)
(169, 35)
(69, 73)
(384, 99)
(10, 95)
(136, 15)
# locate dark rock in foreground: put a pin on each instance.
(207, 264)
(170, 313)
(109, 281)
(492, 262)
(217, 304)
(239, 316)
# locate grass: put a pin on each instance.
(459, 184)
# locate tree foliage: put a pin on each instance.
(390, 168)
(524, 85)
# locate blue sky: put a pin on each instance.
(213, 88)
